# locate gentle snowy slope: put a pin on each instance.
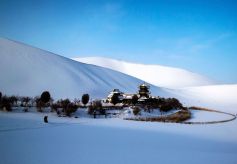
(223, 97)
(155, 74)
(25, 70)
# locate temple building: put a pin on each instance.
(143, 94)
(115, 92)
(144, 90)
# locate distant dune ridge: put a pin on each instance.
(158, 75)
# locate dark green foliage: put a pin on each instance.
(170, 103)
(0, 96)
(166, 107)
(6, 103)
(85, 98)
(165, 104)
(45, 97)
(174, 103)
(115, 99)
(136, 110)
(134, 99)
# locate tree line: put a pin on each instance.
(42, 102)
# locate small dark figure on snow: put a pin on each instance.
(94, 113)
(46, 119)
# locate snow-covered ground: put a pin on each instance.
(207, 116)
(26, 139)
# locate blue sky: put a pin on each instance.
(200, 36)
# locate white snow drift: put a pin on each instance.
(222, 97)
(158, 75)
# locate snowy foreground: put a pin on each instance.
(25, 138)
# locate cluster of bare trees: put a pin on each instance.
(62, 106)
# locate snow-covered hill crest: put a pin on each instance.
(161, 76)
(25, 70)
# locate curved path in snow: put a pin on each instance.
(204, 116)
(231, 116)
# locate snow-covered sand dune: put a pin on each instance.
(25, 70)
(190, 88)
(158, 75)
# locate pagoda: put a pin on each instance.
(144, 90)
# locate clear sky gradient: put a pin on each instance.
(200, 36)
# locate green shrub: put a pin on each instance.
(6, 103)
(166, 107)
(45, 97)
(85, 99)
(115, 99)
(134, 99)
(136, 110)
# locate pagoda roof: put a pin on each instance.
(144, 85)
